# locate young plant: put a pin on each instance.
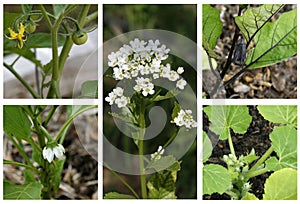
(43, 167)
(257, 41)
(234, 180)
(23, 38)
(139, 68)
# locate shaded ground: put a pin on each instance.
(80, 174)
(257, 137)
(276, 81)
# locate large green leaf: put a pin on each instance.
(115, 195)
(279, 114)
(207, 147)
(9, 19)
(58, 9)
(211, 28)
(89, 89)
(281, 185)
(223, 118)
(249, 196)
(59, 166)
(16, 122)
(30, 191)
(163, 163)
(43, 40)
(284, 142)
(275, 41)
(216, 179)
(254, 18)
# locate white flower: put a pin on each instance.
(111, 98)
(173, 76)
(180, 70)
(148, 90)
(185, 118)
(181, 84)
(121, 102)
(157, 155)
(49, 152)
(118, 91)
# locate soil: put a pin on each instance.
(276, 81)
(257, 137)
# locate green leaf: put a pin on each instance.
(58, 9)
(254, 18)
(30, 191)
(43, 40)
(249, 196)
(281, 185)
(29, 176)
(16, 122)
(89, 89)
(59, 166)
(207, 147)
(163, 163)
(205, 62)
(37, 156)
(9, 19)
(284, 142)
(169, 94)
(216, 179)
(275, 42)
(224, 117)
(115, 195)
(26, 8)
(211, 28)
(279, 114)
(176, 110)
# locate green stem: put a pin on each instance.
(123, 181)
(69, 121)
(258, 172)
(45, 15)
(91, 17)
(25, 84)
(262, 159)
(231, 144)
(50, 114)
(21, 165)
(45, 132)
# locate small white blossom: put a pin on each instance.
(185, 118)
(49, 152)
(118, 91)
(157, 155)
(180, 70)
(111, 98)
(181, 84)
(121, 102)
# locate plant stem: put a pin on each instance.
(122, 180)
(262, 159)
(45, 15)
(25, 84)
(21, 165)
(231, 147)
(258, 172)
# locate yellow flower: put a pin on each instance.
(17, 36)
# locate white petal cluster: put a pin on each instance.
(185, 118)
(157, 155)
(142, 61)
(117, 97)
(49, 152)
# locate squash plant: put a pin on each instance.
(234, 179)
(258, 40)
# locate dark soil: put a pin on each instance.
(276, 81)
(257, 137)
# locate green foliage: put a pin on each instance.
(165, 162)
(43, 40)
(207, 147)
(249, 196)
(115, 195)
(16, 122)
(26, 8)
(216, 179)
(211, 29)
(223, 118)
(280, 114)
(281, 185)
(89, 89)
(29, 191)
(58, 9)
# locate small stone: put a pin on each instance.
(241, 88)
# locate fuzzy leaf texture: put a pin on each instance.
(216, 179)
(275, 42)
(207, 147)
(223, 118)
(16, 122)
(284, 142)
(281, 185)
(30, 191)
(211, 29)
(279, 114)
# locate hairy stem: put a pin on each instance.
(262, 159)
(258, 172)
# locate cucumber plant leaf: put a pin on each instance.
(275, 41)
(254, 18)
(216, 179)
(16, 122)
(115, 195)
(249, 196)
(279, 114)
(281, 185)
(211, 29)
(207, 147)
(29, 191)
(223, 118)
(284, 142)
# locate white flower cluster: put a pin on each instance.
(157, 155)
(49, 152)
(185, 118)
(142, 62)
(117, 97)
